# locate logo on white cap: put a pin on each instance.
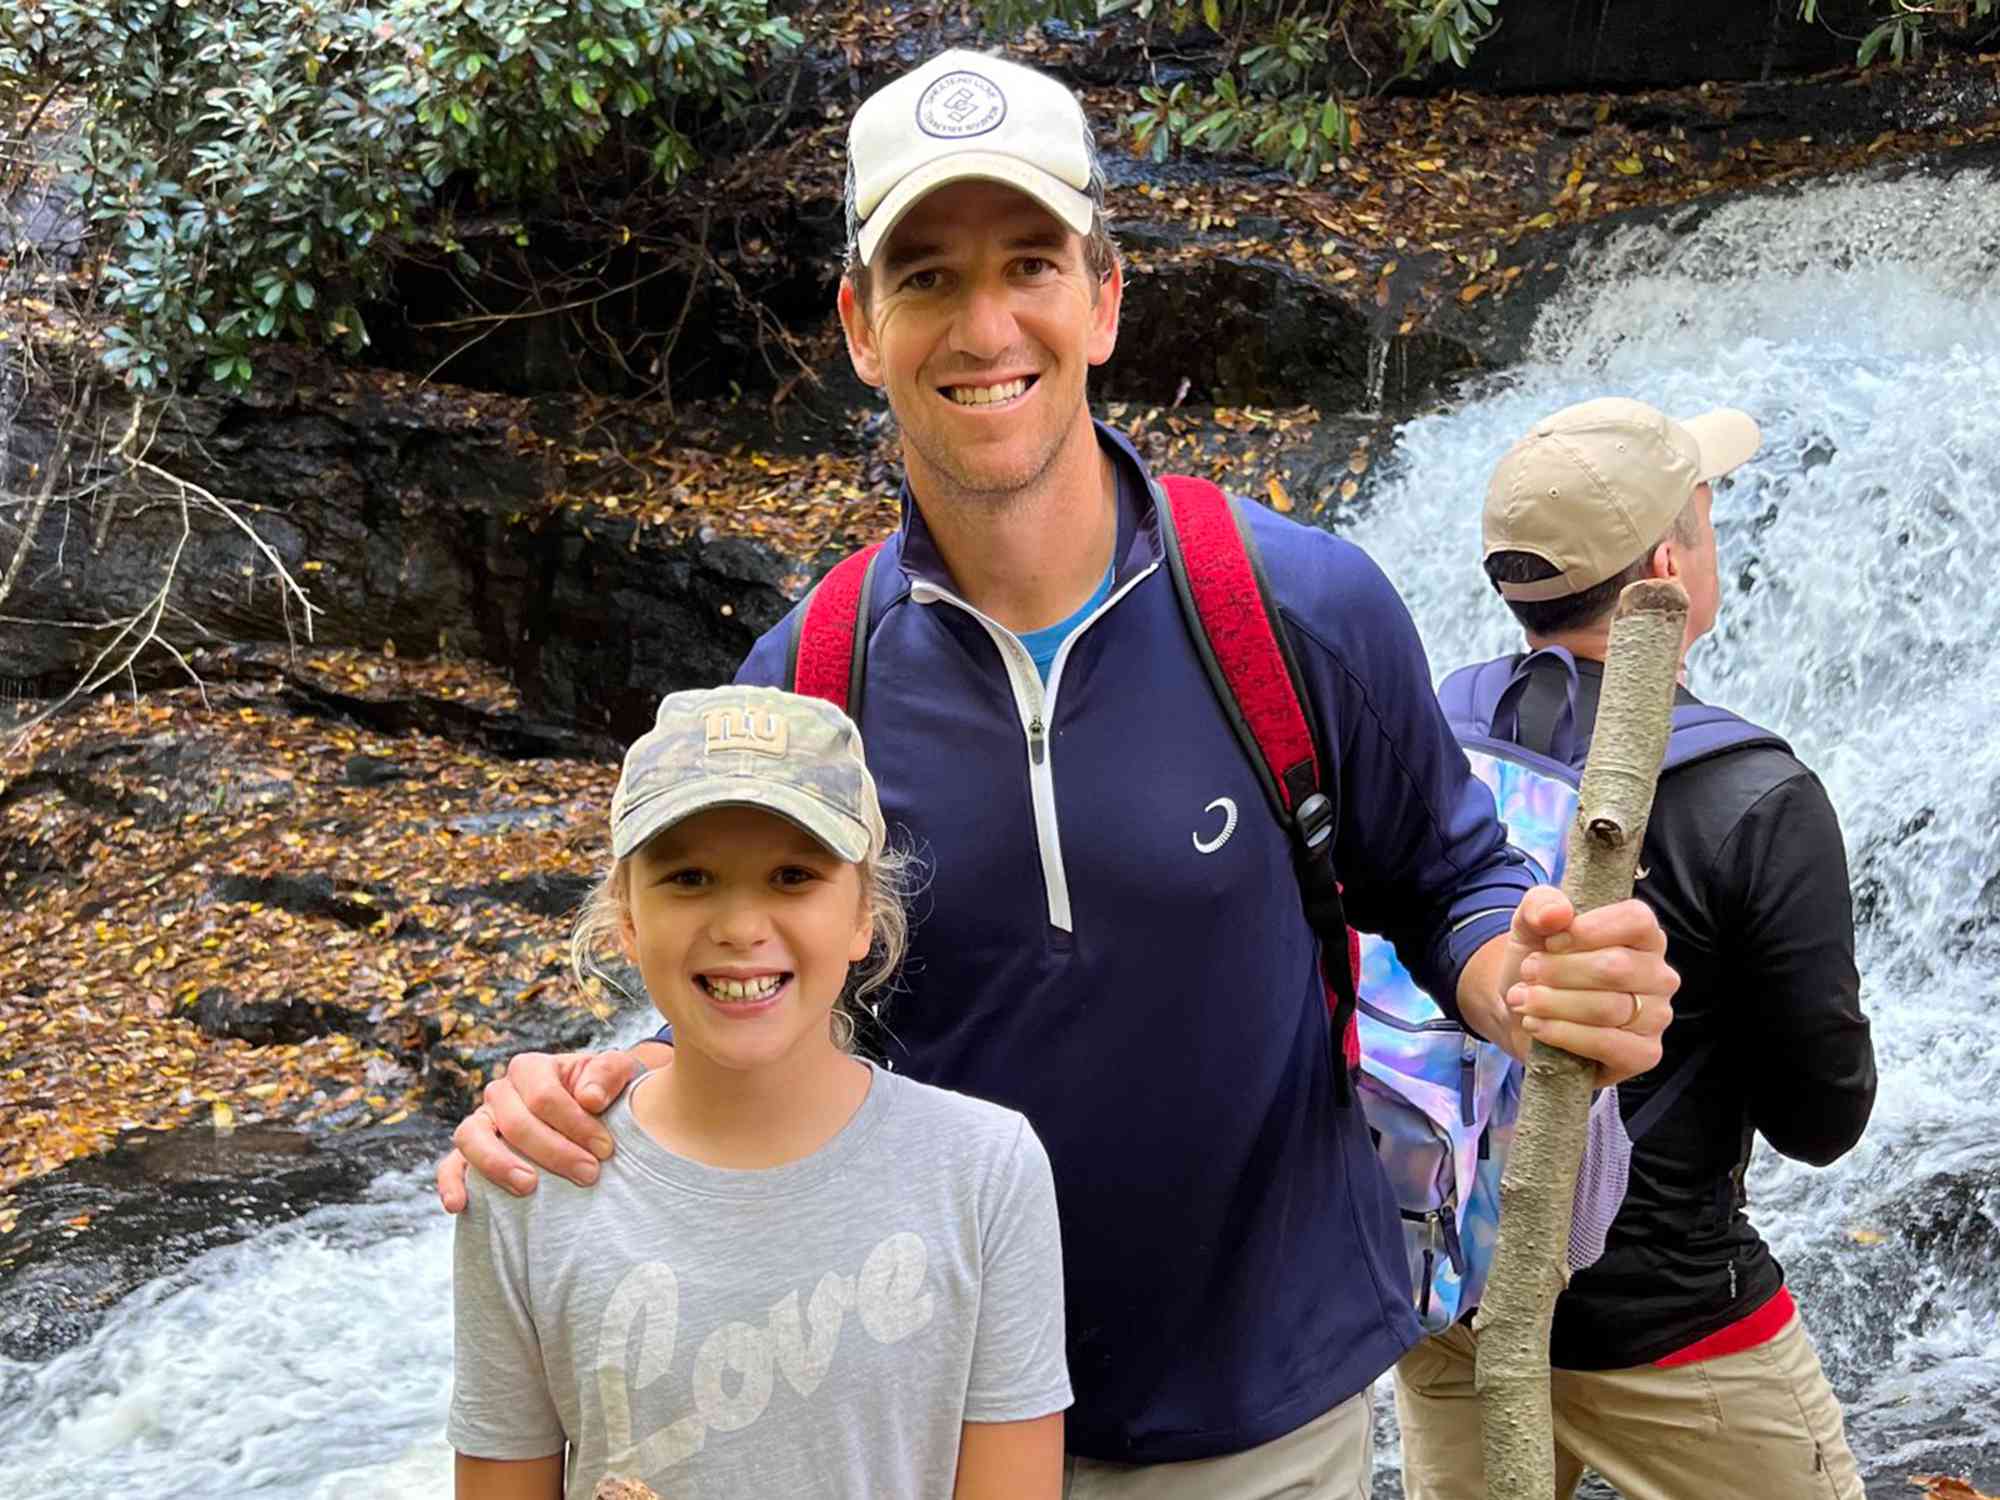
(959, 105)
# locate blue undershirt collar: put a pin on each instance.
(1043, 644)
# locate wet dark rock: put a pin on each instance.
(414, 1031)
(154, 782)
(429, 528)
(510, 736)
(278, 1021)
(157, 1201)
(1636, 44)
(138, 779)
(544, 894)
(1269, 336)
(454, 1074)
(622, 624)
(1952, 1221)
(369, 771)
(349, 903)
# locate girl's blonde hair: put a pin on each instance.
(887, 876)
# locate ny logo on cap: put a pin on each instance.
(741, 728)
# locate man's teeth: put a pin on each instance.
(988, 395)
(746, 989)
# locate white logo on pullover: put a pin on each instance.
(1228, 810)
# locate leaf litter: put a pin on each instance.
(136, 837)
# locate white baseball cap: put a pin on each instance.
(966, 115)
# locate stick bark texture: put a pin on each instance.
(1634, 716)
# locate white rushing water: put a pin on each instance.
(1858, 324)
(291, 1364)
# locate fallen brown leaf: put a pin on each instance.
(1945, 1487)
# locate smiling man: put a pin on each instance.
(1107, 946)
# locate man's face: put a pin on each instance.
(981, 325)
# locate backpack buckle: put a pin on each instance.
(1313, 823)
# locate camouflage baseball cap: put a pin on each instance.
(749, 747)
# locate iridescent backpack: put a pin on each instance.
(1442, 1102)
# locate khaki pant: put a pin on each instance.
(1330, 1458)
(1762, 1424)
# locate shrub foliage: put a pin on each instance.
(250, 168)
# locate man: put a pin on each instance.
(1093, 951)
(1682, 1370)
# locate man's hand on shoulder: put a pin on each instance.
(541, 1113)
(1596, 984)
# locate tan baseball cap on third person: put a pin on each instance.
(966, 115)
(1591, 488)
(791, 755)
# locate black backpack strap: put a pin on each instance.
(1544, 701)
(1537, 708)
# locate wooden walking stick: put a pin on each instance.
(1634, 716)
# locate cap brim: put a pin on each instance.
(1727, 438)
(847, 837)
(1074, 208)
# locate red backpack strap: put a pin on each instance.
(1242, 644)
(828, 651)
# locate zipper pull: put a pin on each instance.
(1036, 745)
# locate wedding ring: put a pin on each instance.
(1638, 1006)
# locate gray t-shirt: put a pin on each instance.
(821, 1328)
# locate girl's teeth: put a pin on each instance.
(988, 395)
(745, 989)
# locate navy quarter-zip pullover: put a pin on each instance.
(1111, 941)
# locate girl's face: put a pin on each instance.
(743, 926)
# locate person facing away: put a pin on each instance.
(1682, 1371)
(1115, 942)
(800, 1274)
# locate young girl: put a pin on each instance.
(799, 1275)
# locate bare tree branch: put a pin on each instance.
(99, 458)
(1539, 1185)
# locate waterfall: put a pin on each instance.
(1858, 323)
